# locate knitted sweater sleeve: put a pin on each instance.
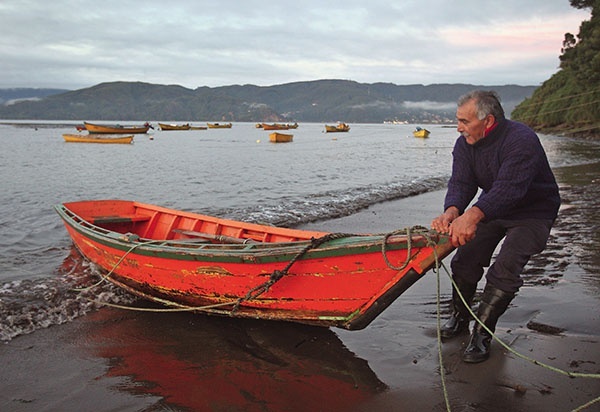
(462, 185)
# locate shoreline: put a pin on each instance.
(131, 361)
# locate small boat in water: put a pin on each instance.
(219, 125)
(198, 127)
(97, 138)
(225, 267)
(165, 127)
(340, 127)
(420, 132)
(275, 126)
(281, 137)
(116, 129)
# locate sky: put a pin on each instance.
(74, 44)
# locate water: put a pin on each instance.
(233, 173)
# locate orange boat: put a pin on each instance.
(280, 137)
(97, 138)
(115, 129)
(224, 267)
(340, 127)
(275, 126)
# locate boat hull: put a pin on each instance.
(337, 128)
(422, 133)
(95, 138)
(115, 129)
(222, 267)
(167, 127)
(280, 137)
(275, 126)
(219, 125)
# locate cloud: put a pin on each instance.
(72, 44)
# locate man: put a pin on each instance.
(518, 203)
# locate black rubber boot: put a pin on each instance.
(459, 321)
(494, 303)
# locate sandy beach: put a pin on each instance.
(115, 360)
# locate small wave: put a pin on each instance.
(329, 205)
(30, 304)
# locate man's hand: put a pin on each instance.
(463, 228)
(443, 221)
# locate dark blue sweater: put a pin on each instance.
(511, 168)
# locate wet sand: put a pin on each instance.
(115, 360)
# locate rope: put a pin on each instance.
(501, 342)
(128, 238)
(256, 291)
(409, 248)
(315, 243)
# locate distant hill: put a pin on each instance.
(311, 101)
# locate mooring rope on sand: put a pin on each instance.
(497, 339)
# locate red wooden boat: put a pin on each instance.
(225, 267)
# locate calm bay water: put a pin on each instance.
(234, 173)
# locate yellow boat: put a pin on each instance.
(340, 127)
(280, 137)
(420, 132)
(164, 126)
(219, 125)
(97, 138)
(115, 129)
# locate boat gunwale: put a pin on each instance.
(252, 252)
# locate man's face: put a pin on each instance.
(469, 125)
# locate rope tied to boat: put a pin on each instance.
(316, 242)
(421, 230)
(256, 291)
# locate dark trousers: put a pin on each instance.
(522, 239)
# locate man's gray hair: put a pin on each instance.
(486, 102)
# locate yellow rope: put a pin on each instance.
(508, 348)
(159, 310)
(525, 357)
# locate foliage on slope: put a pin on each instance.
(568, 102)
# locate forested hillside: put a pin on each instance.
(311, 101)
(569, 101)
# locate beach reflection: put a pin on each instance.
(201, 363)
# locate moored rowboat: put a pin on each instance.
(97, 138)
(419, 132)
(164, 126)
(219, 125)
(224, 267)
(340, 127)
(275, 126)
(115, 129)
(280, 137)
